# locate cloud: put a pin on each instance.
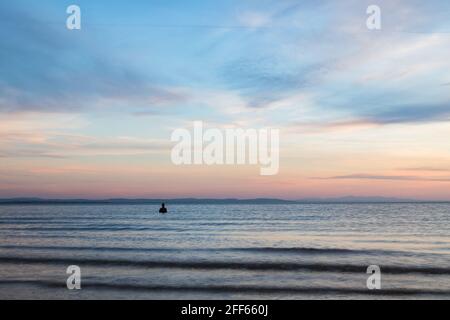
(46, 68)
(67, 146)
(386, 177)
(254, 19)
(323, 126)
(56, 136)
(378, 116)
(265, 79)
(413, 113)
(392, 76)
(426, 169)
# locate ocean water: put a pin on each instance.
(314, 251)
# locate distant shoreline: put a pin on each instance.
(197, 201)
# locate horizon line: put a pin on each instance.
(343, 199)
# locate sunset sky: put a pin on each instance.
(89, 113)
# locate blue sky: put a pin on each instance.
(111, 93)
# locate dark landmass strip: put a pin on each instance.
(268, 201)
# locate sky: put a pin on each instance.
(89, 113)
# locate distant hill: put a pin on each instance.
(352, 199)
(144, 201)
(349, 199)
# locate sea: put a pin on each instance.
(256, 252)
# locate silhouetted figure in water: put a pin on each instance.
(163, 208)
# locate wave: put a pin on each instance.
(219, 265)
(231, 288)
(288, 250)
(303, 250)
(92, 228)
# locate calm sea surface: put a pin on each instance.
(317, 251)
